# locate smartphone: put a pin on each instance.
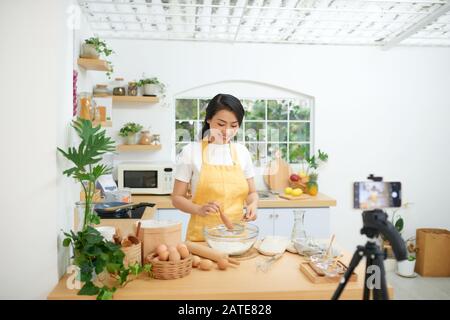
(369, 195)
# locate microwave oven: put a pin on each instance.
(146, 178)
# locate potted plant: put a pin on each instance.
(129, 131)
(152, 86)
(92, 253)
(93, 47)
(307, 178)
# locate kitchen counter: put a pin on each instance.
(272, 201)
(283, 281)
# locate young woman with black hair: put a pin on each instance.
(220, 171)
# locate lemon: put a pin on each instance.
(297, 192)
(288, 190)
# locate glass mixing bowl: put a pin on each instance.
(233, 242)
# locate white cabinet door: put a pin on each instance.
(264, 221)
(175, 215)
(316, 221)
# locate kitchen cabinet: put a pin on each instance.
(280, 221)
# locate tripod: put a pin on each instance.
(374, 223)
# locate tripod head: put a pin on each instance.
(375, 222)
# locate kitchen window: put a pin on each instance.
(269, 125)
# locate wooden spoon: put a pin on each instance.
(329, 246)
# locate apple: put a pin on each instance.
(294, 177)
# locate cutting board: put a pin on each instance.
(277, 174)
(315, 275)
(300, 197)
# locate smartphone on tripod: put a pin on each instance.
(369, 195)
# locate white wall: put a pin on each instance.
(382, 112)
(36, 81)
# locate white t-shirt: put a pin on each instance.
(189, 161)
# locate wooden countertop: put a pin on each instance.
(319, 201)
(283, 281)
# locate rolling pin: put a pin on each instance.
(205, 252)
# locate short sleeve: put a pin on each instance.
(184, 165)
(247, 163)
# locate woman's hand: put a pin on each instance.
(251, 215)
(210, 207)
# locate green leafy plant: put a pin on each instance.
(130, 128)
(94, 255)
(311, 162)
(86, 168)
(411, 258)
(102, 48)
(154, 81)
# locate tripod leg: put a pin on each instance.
(357, 256)
(366, 294)
(382, 292)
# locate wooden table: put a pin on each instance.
(283, 281)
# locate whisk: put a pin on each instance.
(265, 264)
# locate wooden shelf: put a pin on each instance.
(107, 123)
(93, 64)
(137, 147)
(135, 99)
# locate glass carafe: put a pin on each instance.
(298, 231)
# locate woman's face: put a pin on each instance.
(223, 126)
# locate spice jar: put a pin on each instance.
(101, 90)
(145, 137)
(86, 107)
(132, 88)
(119, 89)
(156, 139)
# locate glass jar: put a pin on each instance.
(298, 231)
(101, 90)
(132, 88)
(119, 89)
(86, 106)
(156, 139)
(145, 137)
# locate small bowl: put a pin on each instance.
(306, 247)
(233, 242)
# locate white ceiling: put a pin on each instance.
(343, 22)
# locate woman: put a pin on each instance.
(220, 172)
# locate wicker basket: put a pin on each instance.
(298, 184)
(133, 254)
(167, 270)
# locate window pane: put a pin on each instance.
(185, 131)
(273, 147)
(258, 152)
(239, 137)
(277, 109)
(179, 147)
(301, 111)
(295, 152)
(255, 109)
(299, 131)
(277, 131)
(202, 105)
(186, 109)
(255, 131)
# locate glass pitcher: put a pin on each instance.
(298, 231)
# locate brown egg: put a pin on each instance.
(155, 260)
(163, 256)
(161, 248)
(172, 248)
(174, 255)
(206, 264)
(184, 252)
(196, 261)
(222, 264)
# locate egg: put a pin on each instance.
(163, 256)
(196, 261)
(160, 249)
(183, 250)
(172, 248)
(155, 260)
(174, 255)
(206, 264)
(222, 264)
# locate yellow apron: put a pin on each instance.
(225, 184)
